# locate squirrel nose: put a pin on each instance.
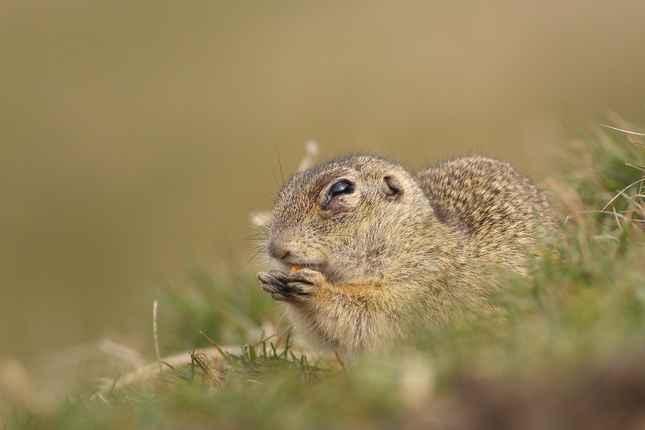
(277, 251)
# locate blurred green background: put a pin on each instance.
(135, 136)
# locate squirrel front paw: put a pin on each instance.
(298, 286)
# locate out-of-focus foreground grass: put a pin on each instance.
(567, 353)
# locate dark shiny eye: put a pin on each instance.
(341, 187)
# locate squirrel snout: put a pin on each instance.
(277, 251)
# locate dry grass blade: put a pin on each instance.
(222, 352)
(621, 193)
(623, 130)
(635, 202)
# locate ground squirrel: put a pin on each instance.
(378, 246)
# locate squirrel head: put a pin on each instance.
(347, 218)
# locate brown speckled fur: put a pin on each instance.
(400, 249)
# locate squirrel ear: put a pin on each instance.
(392, 186)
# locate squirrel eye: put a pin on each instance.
(341, 187)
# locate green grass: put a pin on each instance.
(563, 348)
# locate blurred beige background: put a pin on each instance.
(137, 135)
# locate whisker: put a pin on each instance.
(253, 257)
(275, 178)
(280, 164)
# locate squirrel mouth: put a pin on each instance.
(297, 267)
(291, 268)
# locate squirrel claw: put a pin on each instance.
(296, 286)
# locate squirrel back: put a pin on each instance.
(501, 211)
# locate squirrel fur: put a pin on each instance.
(382, 249)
